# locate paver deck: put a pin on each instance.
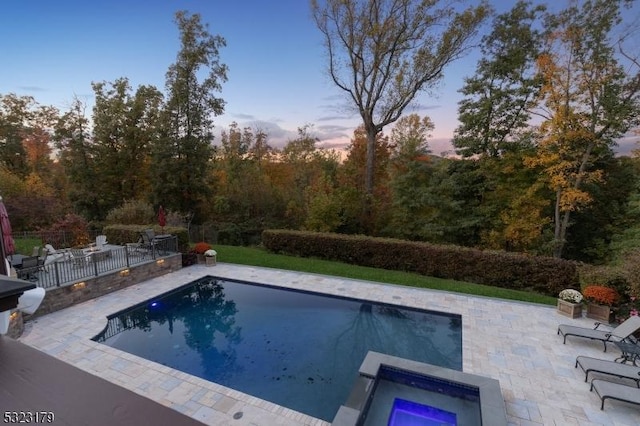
(515, 343)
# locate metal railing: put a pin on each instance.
(68, 268)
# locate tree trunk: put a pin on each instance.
(371, 160)
(562, 220)
(558, 243)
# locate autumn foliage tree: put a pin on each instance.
(589, 99)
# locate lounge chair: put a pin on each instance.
(621, 332)
(50, 249)
(54, 255)
(610, 368)
(617, 391)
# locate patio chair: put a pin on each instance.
(29, 268)
(101, 240)
(617, 391)
(148, 238)
(622, 332)
(142, 246)
(78, 257)
(42, 260)
(611, 368)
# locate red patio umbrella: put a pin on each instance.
(162, 218)
(6, 240)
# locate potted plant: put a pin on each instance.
(210, 257)
(570, 303)
(199, 249)
(600, 300)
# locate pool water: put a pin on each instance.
(297, 349)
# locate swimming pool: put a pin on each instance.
(297, 349)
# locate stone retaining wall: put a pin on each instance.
(62, 297)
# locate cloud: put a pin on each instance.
(331, 118)
(241, 116)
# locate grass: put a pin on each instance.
(260, 257)
(25, 245)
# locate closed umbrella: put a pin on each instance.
(6, 240)
(162, 218)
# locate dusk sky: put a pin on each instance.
(53, 50)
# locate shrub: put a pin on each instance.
(629, 267)
(73, 228)
(601, 294)
(509, 270)
(132, 212)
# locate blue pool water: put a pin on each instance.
(297, 349)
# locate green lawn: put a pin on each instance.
(260, 257)
(25, 245)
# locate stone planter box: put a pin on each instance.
(571, 310)
(210, 260)
(601, 313)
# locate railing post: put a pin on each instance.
(126, 254)
(55, 265)
(95, 264)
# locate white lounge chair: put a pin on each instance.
(621, 332)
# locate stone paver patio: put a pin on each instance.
(515, 343)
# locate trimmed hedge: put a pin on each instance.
(122, 234)
(545, 275)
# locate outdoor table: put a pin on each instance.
(158, 239)
(98, 254)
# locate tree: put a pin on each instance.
(125, 127)
(589, 100)
(504, 87)
(182, 154)
(73, 140)
(383, 52)
(363, 214)
(410, 171)
(25, 135)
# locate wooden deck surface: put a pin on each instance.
(32, 381)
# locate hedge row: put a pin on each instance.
(122, 234)
(543, 275)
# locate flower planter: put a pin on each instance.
(210, 260)
(599, 312)
(571, 310)
(201, 258)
